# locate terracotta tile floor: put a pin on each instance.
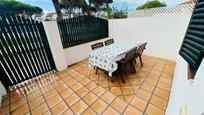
(76, 91)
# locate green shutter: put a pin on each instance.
(192, 49)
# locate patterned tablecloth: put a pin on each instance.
(106, 57)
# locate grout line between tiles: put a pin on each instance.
(154, 90)
(78, 95)
(9, 103)
(140, 87)
(29, 109)
(43, 96)
(61, 96)
(98, 96)
(84, 73)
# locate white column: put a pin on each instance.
(110, 28)
(2, 92)
(55, 43)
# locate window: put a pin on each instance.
(192, 49)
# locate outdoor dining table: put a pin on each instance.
(107, 57)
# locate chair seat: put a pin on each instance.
(121, 61)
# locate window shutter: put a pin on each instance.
(192, 49)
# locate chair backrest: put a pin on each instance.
(97, 45)
(108, 42)
(141, 48)
(130, 55)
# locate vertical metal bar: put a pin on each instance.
(28, 47)
(9, 49)
(28, 38)
(16, 43)
(22, 51)
(35, 41)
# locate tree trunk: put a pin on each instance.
(58, 10)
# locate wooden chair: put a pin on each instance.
(129, 59)
(139, 52)
(109, 42)
(97, 45)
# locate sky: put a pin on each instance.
(129, 5)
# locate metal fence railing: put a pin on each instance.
(24, 50)
(83, 29)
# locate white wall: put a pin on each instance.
(184, 92)
(80, 52)
(55, 43)
(164, 33)
(2, 92)
(67, 56)
(159, 31)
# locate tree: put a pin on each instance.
(85, 7)
(75, 6)
(16, 7)
(38, 10)
(58, 9)
(101, 5)
(151, 4)
(109, 12)
(119, 14)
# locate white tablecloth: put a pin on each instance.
(106, 57)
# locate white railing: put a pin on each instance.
(183, 8)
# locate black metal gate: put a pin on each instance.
(24, 50)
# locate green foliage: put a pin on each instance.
(38, 9)
(70, 6)
(101, 5)
(16, 7)
(119, 14)
(87, 7)
(109, 12)
(151, 4)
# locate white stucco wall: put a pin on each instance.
(164, 33)
(2, 92)
(55, 43)
(184, 92)
(80, 52)
(67, 56)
